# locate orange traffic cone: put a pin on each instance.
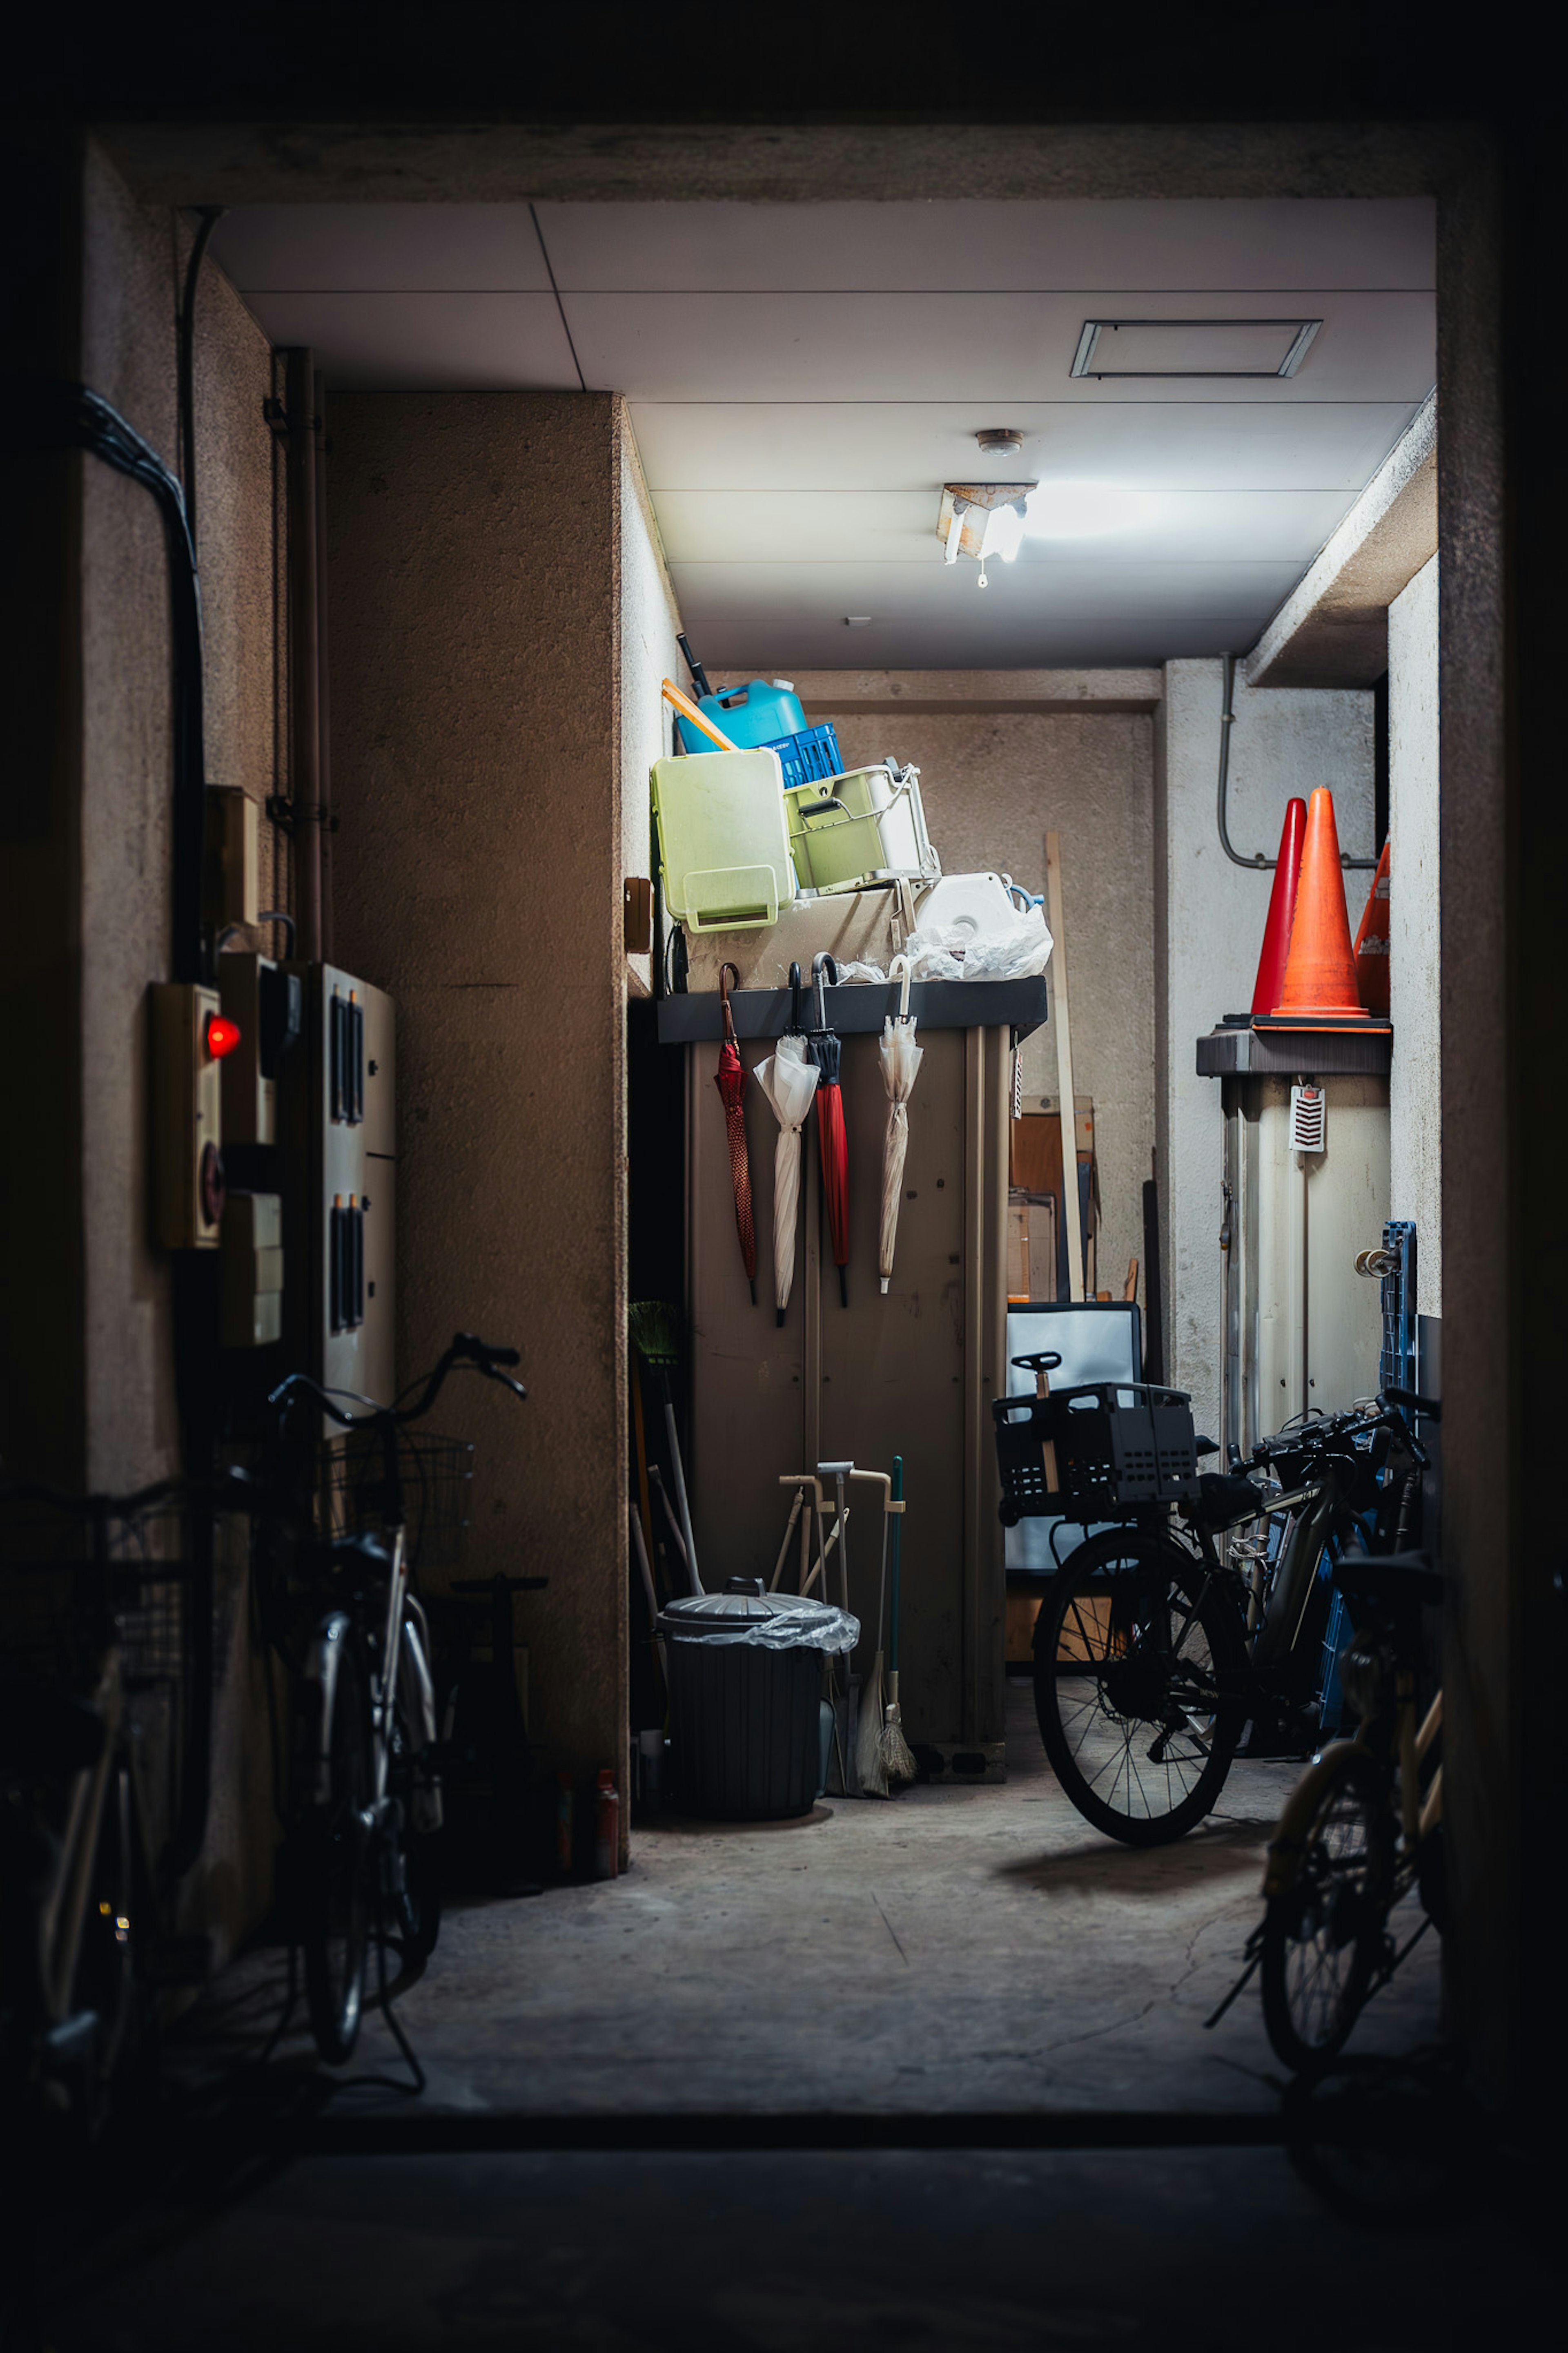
(1371, 943)
(1320, 971)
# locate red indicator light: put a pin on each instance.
(223, 1036)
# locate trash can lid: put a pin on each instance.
(746, 1612)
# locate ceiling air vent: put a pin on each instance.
(1211, 347)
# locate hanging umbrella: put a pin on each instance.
(832, 1143)
(729, 1077)
(788, 1079)
(901, 1059)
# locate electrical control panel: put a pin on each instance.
(191, 1040)
(266, 1005)
(337, 1131)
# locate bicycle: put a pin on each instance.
(365, 1811)
(1364, 1825)
(105, 1698)
(1152, 1653)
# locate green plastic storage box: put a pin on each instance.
(859, 828)
(723, 848)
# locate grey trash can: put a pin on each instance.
(746, 1692)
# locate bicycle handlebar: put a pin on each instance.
(484, 1356)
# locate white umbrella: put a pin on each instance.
(901, 1059)
(789, 1083)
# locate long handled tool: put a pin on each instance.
(844, 1702)
(687, 709)
(868, 1768)
(898, 1761)
(654, 1335)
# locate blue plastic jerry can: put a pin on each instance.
(759, 712)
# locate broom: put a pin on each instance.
(898, 1760)
(655, 1337)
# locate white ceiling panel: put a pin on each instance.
(454, 249)
(1008, 347)
(899, 526)
(1188, 445)
(721, 249)
(426, 342)
(1089, 590)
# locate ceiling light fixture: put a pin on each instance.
(982, 520)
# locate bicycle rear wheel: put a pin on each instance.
(1138, 1663)
(1322, 1936)
(334, 1863)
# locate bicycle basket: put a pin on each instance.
(437, 1474)
(1116, 1446)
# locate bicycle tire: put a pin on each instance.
(335, 1862)
(1322, 1936)
(420, 1910)
(1122, 1600)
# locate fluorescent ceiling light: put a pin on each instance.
(1211, 347)
(1004, 535)
(1084, 510)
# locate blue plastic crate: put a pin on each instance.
(810, 757)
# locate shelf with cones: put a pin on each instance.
(859, 1007)
(1315, 989)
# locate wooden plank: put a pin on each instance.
(1059, 974)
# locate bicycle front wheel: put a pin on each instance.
(1322, 1936)
(1138, 1662)
(334, 1863)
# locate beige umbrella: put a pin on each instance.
(901, 1059)
(789, 1082)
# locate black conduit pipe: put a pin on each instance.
(1256, 863)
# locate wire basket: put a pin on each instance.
(74, 1577)
(1104, 1451)
(436, 1475)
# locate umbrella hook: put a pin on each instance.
(725, 972)
(817, 962)
(902, 969)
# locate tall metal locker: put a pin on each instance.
(911, 1372)
(1302, 1330)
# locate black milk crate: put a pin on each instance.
(1119, 1447)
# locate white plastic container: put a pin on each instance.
(724, 847)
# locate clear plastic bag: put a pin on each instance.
(1019, 951)
(791, 1624)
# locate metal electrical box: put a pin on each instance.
(1305, 1186)
(187, 1116)
(337, 1127)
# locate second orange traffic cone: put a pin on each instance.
(1320, 972)
(1371, 943)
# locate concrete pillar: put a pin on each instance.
(477, 607)
(1209, 915)
(1415, 1087)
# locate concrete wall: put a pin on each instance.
(993, 782)
(1211, 914)
(88, 1317)
(484, 556)
(1415, 1085)
(648, 623)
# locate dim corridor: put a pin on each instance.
(956, 1948)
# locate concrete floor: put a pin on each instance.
(955, 1949)
(953, 1952)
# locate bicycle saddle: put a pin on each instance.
(1396, 1579)
(1224, 1501)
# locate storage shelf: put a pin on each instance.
(1236, 1052)
(857, 1007)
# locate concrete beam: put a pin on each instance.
(1333, 631)
(1101, 691)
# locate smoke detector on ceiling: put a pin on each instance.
(1000, 441)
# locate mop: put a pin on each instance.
(898, 1761)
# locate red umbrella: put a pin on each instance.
(729, 1077)
(832, 1142)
